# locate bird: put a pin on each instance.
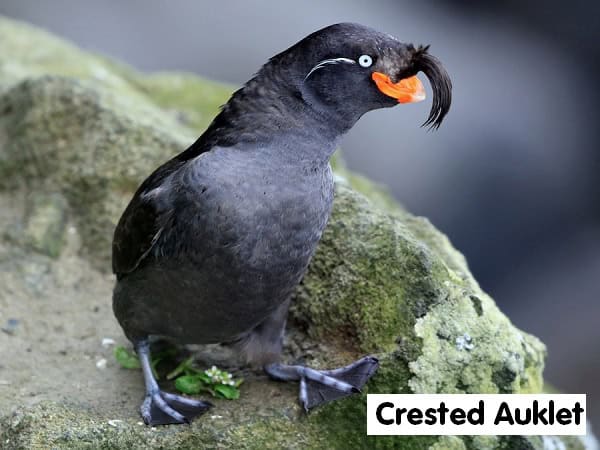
(214, 242)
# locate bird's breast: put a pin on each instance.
(255, 215)
(285, 215)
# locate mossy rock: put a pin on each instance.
(78, 133)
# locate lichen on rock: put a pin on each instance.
(78, 133)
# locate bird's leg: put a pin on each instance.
(321, 386)
(316, 386)
(163, 408)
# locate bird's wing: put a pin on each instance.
(146, 217)
(148, 214)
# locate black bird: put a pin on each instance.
(213, 243)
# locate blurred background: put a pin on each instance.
(512, 176)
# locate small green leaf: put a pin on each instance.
(189, 384)
(185, 366)
(204, 377)
(126, 359)
(228, 392)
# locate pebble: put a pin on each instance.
(107, 342)
(11, 326)
(101, 363)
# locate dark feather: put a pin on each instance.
(440, 83)
(141, 224)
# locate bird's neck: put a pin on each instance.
(267, 113)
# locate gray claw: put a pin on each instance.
(156, 411)
(321, 386)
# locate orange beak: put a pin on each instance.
(408, 90)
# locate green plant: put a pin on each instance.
(188, 379)
(217, 382)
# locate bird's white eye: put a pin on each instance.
(365, 61)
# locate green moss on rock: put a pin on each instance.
(45, 223)
(88, 131)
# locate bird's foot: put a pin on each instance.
(321, 386)
(163, 408)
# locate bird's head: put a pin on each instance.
(338, 73)
(349, 69)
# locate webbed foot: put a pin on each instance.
(321, 386)
(163, 408)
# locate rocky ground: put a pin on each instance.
(77, 134)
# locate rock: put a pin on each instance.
(77, 135)
(45, 223)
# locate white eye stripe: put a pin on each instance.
(365, 61)
(327, 62)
